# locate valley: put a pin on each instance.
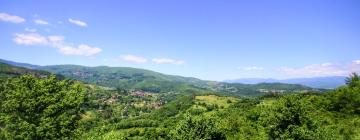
(180, 70)
(128, 103)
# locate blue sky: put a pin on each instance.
(207, 39)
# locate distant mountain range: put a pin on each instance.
(18, 64)
(315, 82)
(8, 70)
(146, 80)
(123, 72)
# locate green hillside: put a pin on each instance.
(7, 70)
(145, 80)
(179, 108)
(48, 108)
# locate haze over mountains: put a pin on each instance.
(88, 73)
(314, 82)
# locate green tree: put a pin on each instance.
(291, 119)
(33, 108)
(197, 128)
(345, 99)
(352, 80)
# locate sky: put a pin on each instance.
(206, 39)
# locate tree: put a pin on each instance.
(346, 99)
(291, 119)
(198, 128)
(33, 108)
(352, 80)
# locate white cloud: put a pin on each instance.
(30, 30)
(133, 58)
(326, 64)
(356, 62)
(41, 22)
(251, 68)
(80, 50)
(78, 22)
(325, 69)
(56, 38)
(55, 41)
(11, 18)
(167, 61)
(30, 39)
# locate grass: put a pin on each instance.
(267, 102)
(216, 100)
(88, 116)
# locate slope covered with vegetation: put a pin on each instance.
(7, 70)
(334, 115)
(145, 80)
(33, 108)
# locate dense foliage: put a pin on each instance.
(293, 116)
(32, 108)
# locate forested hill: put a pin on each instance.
(140, 79)
(18, 64)
(7, 70)
(150, 81)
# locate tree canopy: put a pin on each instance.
(32, 108)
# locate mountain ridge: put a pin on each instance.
(8, 70)
(151, 81)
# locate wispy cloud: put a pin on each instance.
(324, 69)
(82, 49)
(56, 38)
(58, 42)
(133, 58)
(30, 30)
(41, 22)
(167, 61)
(11, 18)
(78, 22)
(251, 68)
(30, 39)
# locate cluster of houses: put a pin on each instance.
(139, 93)
(136, 93)
(112, 100)
(82, 74)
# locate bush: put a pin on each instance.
(197, 127)
(290, 118)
